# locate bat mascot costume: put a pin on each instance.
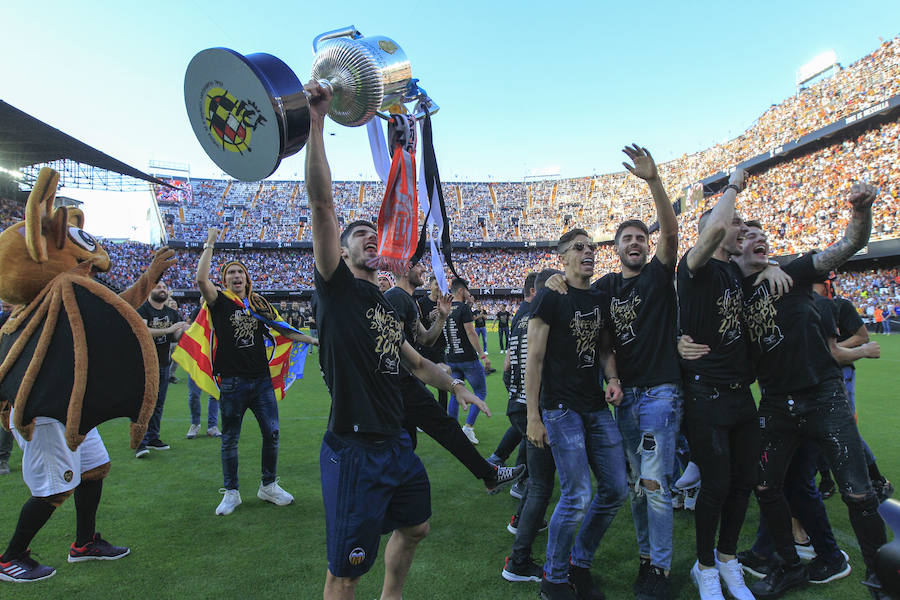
(72, 355)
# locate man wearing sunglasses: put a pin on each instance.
(569, 354)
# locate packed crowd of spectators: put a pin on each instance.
(871, 289)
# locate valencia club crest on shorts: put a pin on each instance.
(67, 476)
(357, 556)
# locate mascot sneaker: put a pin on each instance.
(274, 494)
(230, 502)
(97, 549)
(24, 569)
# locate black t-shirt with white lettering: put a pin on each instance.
(848, 320)
(787, 341)
(408, 313)
(360, 336)
(518, 354)
(572, 376)
(240, 341)
(479, 317)
(710, 301)
(160, 318)
(644, 314)
(503, 319)
(436, 352)
(459, 348)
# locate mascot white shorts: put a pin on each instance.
(48, 466)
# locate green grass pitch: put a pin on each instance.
(163, 506)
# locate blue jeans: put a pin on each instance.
(473, 372)
(239, 394)
(650, 422)
(482, 333)
(212, 408)
(155, 419)
(581, 443)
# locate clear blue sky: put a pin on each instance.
(522, 85)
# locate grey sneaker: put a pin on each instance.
(213, 432)
(4, 467)
(193, 431)
(230, 502)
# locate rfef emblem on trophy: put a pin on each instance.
(250, 112)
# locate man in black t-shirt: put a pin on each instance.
(437, 352)
(419, 406)
(372, 482)
(480, 320)
(242, 365)
(569, 355)
(165, 326)
(803, 397)
(463, 352)
(503, 317)
(643, 311)
(719, 409)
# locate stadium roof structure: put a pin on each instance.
(27, 141)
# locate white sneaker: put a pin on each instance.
(230, 502)
(274, 494)
(732, 575)
(690, 478)
(213, 432)
(193, 431)
(690, 498)
(470, 433)
(677, 500)
(707, 582)
(805, 551)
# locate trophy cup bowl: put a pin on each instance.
(250, 112)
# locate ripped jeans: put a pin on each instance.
(650, 420)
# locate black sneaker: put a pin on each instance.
(157, 444)
(583, 584)
(643, 570)
(24, 569)
(502, 477)
(779, 580)
(822, 572)
(96, 549)
(754, 564)
(655, 586)
(513, 526)
(826, 487)
(526, 571)
(874, 586)
(556, 591)
(141, 451)
(517, 491)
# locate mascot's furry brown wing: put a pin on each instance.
(73, 350)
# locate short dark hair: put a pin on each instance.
(631, 223)
(569, 236)
(457, 284)
(529, 281)
(753, 223)
(349, 229)
(543, 276)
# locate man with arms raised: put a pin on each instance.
(803, 397)
(372, 482)
(564, 372)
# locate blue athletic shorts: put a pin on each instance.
(369, 489)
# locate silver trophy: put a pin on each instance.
(249, 112)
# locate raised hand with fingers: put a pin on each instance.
(644, 165)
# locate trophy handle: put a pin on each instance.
(350, 31)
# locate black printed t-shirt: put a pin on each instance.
(572, 376)
(360, 334)
(643, 312)
(787, 341)
(240, 341)
(503, 319)
(408, 313)
(479, 318)
(517, 351)
(435, 352)
(160, 318)
(710, 302)
(848, 319)
(459, 348)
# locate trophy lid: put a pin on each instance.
(248, 112)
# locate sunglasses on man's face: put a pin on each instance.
(579, 246)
